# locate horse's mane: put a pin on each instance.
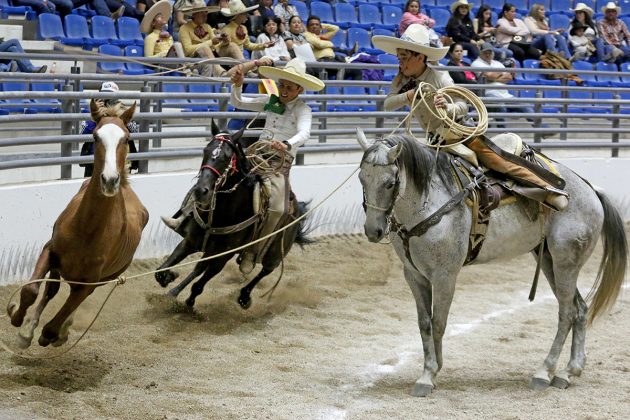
(418, 160)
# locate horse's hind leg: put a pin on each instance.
(213, 269)
(199, 268)
(29, 293)
(51, 331)
(244, 298)
(25, 335)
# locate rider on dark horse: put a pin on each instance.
(414, 51)
(287, 127)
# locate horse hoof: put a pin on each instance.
(190, 302)
(60, 342)
(165, 277)
(538, 384)
(560, 383)
(421, 390)
(245, 302)
(11, 309)
(43, 341)
(24, 342)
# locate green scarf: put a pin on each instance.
(274, 105)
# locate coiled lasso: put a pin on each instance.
(426, 91)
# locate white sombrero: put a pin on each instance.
(458, 3)
(294, 71)
(236, 7)
(581, 7)
(611, 6)
(415, 38)
(162, 7)
(198, 6)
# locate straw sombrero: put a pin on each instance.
(581, 7)
(415, 38)
(198, 6)
(236, 7)
(294, 71)
(611, 6)
(162, 7)
(458, 3)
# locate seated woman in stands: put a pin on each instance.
(456, 53)
(460, 28)
(514, 34)
(544, 37)
(413, 14)
(584, 15)
(485, 28)
(271, 33)
(24, 65)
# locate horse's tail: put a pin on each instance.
(303, 226)
(612, 269)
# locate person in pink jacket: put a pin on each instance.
(413, 15)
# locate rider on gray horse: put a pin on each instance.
(414, 51)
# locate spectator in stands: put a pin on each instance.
(159, 42)
(265, 9)
(278, 51)
(297, 43)
(88, 126)
(413, 14)
(456, 53)
(584, 16)
(320, 37)
(499, 78)
(199, 39)
(24, 65)
(236, 31)
(460, 28)
(512, 33)
(583, 48)
(614, 31)
(545, 38)
(285, 12)
(100, 7)
(486, 30)
(129, 9)
(144, 5)
(64, 7)
(179, 19)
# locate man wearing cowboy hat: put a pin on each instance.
(159, 42)
(414, 51)
(287, 126)
(236, 30)
(614, 31)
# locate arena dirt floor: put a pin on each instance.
(338, 340)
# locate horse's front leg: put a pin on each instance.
(29, 293)
(25, 336)
(244, 298)
(199, 268)
(421, 289)
(181, 251)
(50, 332)
(214, 268)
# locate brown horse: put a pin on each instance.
(94, 238)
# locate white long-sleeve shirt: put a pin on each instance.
(293, 126)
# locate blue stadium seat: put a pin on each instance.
(605, 108)
(302, 9)
(77, 28)
(356, 104)
(496, 5)
(537, 78)
(20, 105)
(589, 3)
(522, 6)
(8, 9)
(179, 103)
(51, 105)
(402, 3)
(340, 39)
(345, 15)
(384, 32)
(110, 66)
(624, 74)
(323, 10)
(578, 97)
(601, 3)
(562, 6)
(49, 27)
(135, 68)
(362, 38)
(369, 16)
(444, 4)
(607, 80)
(129, 30)
(559, 21)
(391, 17)
(83, 11)
(441, 17)
(389, 59)
(552, 94)
(103, 28)
(546, 3)
(203, 105)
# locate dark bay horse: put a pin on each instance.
(94, 238)
(403, 181)
(224, 196)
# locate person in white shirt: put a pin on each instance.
(583, 48)
(288, 126)
(271, 33)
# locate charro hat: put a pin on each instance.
(109, 86)
(458, 3)
(294, 71)
(162, 7)
(581, 7)
(198, 6)
(236, 7)
(611, 6)
(415, 38)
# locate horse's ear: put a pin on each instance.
(214, 128)
(128, 114)
(94, 110)
(236, 137)
(394, 152)
(363, 141)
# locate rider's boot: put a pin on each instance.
(172, 222)
(558, 199)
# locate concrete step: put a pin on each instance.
(11, 32)
(38, 46)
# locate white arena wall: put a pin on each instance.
(28, 211)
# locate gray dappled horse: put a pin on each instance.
(399, 180)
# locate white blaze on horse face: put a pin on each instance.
(110, 136)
